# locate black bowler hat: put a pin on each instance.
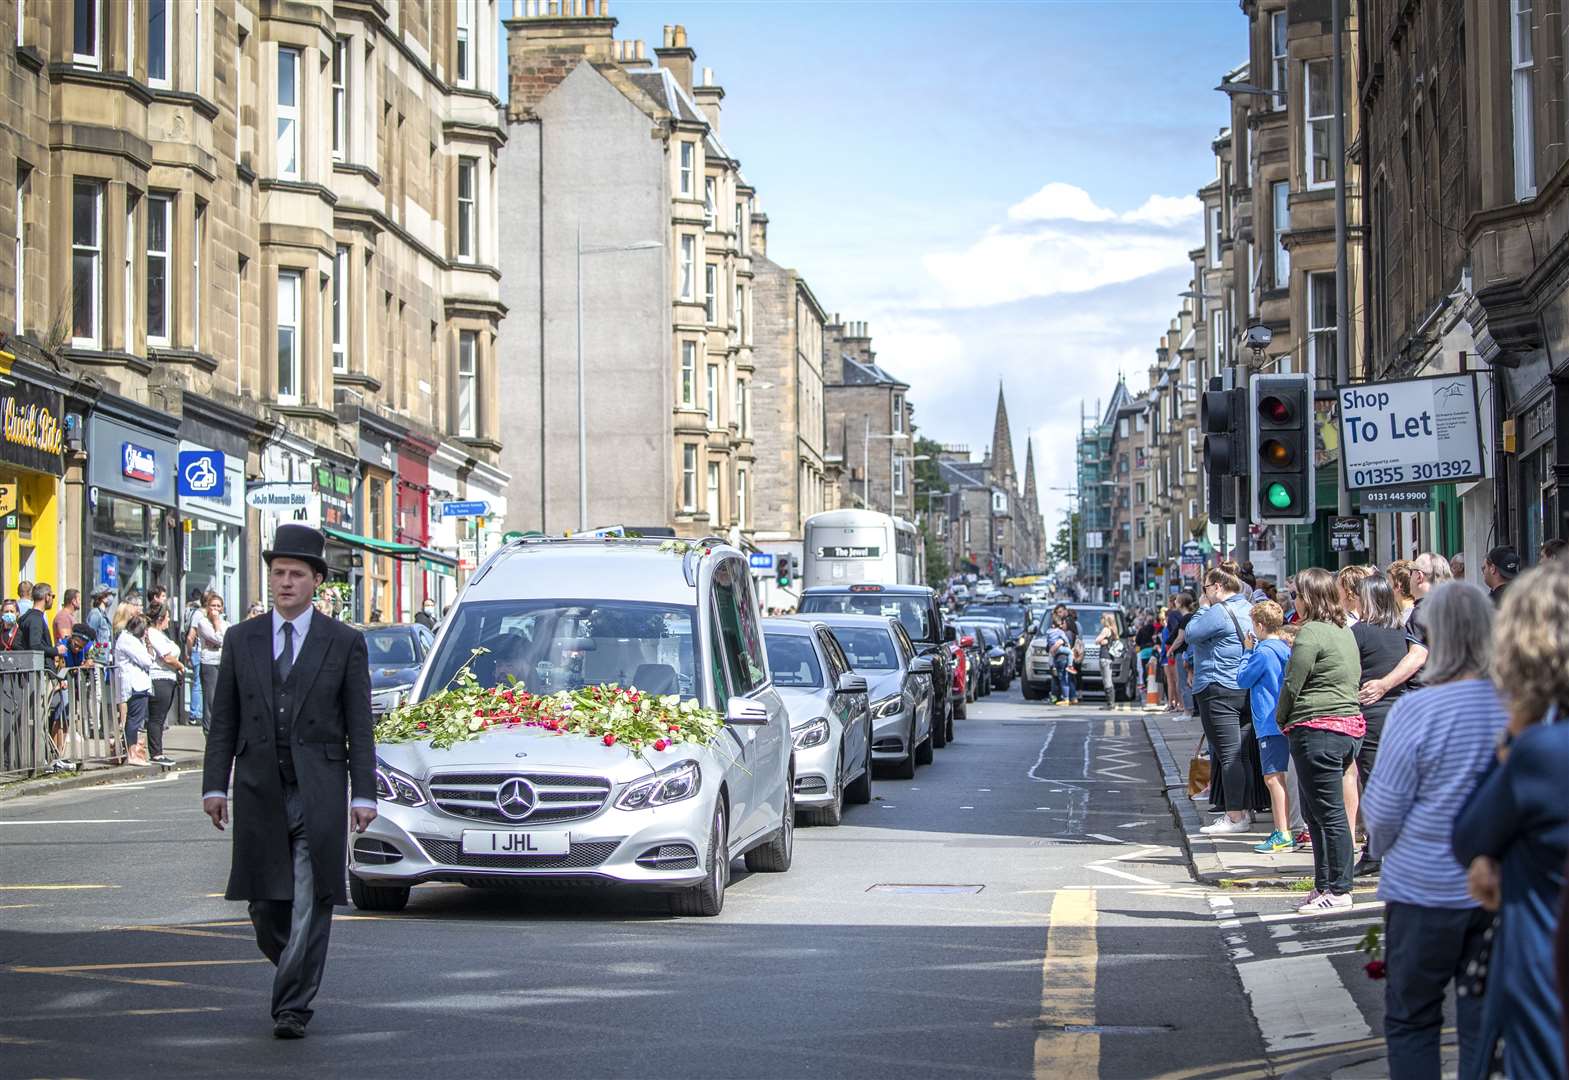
(299, 542)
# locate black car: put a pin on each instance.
(1017, 618)
(397, 652)
(1000, 665)
(915, 606)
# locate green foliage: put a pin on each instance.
(1065, 547)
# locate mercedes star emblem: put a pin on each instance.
(515, 798)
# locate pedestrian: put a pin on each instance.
(1552, 549)
(1217, 640)
(1399, 574)
(210, 630)
(1268, 588)
(24, 593)
(68, 616)
(98, 616)
(122, 615)
(1381, 645)
(1144, 642)
(1457, 566)
(1502, 567)
(1513, 831)
(1108, 635)
(135, 664)
(8, 628)
(1435, 743)
(166, 672)
(1348, 580)
(1177, 616)
(427, 614)
(254, 610)
(319, 685)
(1263, 669)
(1070, 624)
(1427, 571)
(1059, 649)
(1318, 711)
(33, 626)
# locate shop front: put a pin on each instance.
(32, 462)
(131, 463)
(413, 525)
(332, 485)
(442, 542)
(210, 493)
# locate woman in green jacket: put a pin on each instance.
(1319, 713)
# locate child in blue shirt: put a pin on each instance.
(1263, 670)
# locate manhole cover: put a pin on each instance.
(895, 888)
(1116, 1029)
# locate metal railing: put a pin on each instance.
(54, 722)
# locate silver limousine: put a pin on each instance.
(520, 805)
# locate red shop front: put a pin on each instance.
(412, 521)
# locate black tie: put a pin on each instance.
(286, 657)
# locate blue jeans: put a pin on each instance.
(1066, 690)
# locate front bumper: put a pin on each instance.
(816, 769)
(891, 737)
(661, 847)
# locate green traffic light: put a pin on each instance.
(1278, 496)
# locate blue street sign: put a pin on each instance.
(474, 508)
(200, 474)
(762, 560)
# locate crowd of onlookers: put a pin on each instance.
(1420, 715)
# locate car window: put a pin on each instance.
(906, 646)
(738, 629)
(716, 661)
(913, 611)
(793, 661)
(869, 648)
(390, 648)
(838, 663)
(550, 645)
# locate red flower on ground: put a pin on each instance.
(1375, 969)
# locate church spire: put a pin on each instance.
(1003, 472)
(1031, 499)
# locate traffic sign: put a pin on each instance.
(762, 560)
(472, 508)
(508, 537)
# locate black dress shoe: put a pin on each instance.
(288, 1026)
(1367, 866)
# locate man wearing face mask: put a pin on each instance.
(427, 615)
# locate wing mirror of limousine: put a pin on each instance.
(851, 683)
(745, 712)
(921, 665)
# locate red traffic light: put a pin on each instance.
(1274, 409)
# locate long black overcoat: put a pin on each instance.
(331, 736)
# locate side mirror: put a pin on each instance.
(950, 633)
(968, 641)
(921, 665)
(745, 712)
(851, 683)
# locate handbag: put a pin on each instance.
(1198, 769)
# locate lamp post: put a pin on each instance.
(582, 404)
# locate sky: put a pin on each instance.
(1002, 191)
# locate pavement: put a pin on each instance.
(1022, 908)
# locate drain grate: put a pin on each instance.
(898, 888)
(1116, 1029)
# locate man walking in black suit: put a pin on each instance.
(291, 716)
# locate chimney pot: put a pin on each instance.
(640, 55)
(680, 36)
(669, 36)
(708, 76)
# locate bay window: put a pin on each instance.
(160, 210)
(712, 405)
(288, 163)
(711, 294)
(340, 309)
(85, 43)
(688, 155)
(468, 341)
(713, 507)
(688, 269)
(689, 373)
(1319, 111)
(87, 198)
(158, 28)
(288, 308)
(467, 169)
(1281, 193)
(1321, 324)
(1277, 53)
(689, 478)
(463, 62)
(1522, 62)
(340, 99)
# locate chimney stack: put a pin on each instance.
(708, 95)
(631, 54)
(676, 57)
(548, 40)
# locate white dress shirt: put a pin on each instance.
(302, 626)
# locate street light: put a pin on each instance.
(582, 405)
(1249, 90)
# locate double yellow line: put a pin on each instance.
(1064, 1047)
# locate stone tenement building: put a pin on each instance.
(249, 266)
(871, 423)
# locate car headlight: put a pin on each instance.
(390, 697)
(395, 787)
(997, 661)
(1039, 650)
(888, 706)
(810, 734)
(680, 781)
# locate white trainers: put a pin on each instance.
(1325, 902)
(1225, 825)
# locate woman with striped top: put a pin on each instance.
(1435, 742)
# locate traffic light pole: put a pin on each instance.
(1337, 153)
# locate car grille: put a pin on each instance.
(581, 856)
(559, 797)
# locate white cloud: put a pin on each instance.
(1166, 210)
(1006, 266)
(1059, 202)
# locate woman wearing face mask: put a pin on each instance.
(8, 626)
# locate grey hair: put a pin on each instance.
(1437, 569)
(1377, 602)
(1458, 617)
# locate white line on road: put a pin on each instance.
(81, 821)
(1108, 839)
(1299, 1002)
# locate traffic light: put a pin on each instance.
(1221, 415)
(783, 570)
(1280, 417)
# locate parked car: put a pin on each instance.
(915, 606)
(1000, 664)
(397, 652)
(1125, 678)
(830, 718)
(976, 681)
(564, 614)
(961, 679)
(899, 685)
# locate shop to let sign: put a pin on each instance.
(1417, 431)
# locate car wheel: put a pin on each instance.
(939, 736)
(905, 770)
(832, 814)
(774, 856)
(708, 899)
(368, 897)
(1030, 692)
(923, 752)
(960, 712)
(860, 790)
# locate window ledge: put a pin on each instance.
(29, 57)
(204, 106)
(243, 170)
(480, 443)
(354, 169)
(192, 357)
(77, 73)
(304, 187)
(108, 358)
(477, 268)
(307, 412)
(361, 379)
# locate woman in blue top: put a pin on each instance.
(1513, 832)
(1216, 637)
(1263, 670)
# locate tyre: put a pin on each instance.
(368, 897)
(939, 735)
(923, 752)
(774, 856)
(832, 814)
(708, 899)
(859, 790)
(1031, 693)
(905, 770)
(960, 712)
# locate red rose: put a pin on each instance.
(610, 739)
(1375, 969)
(660, 744)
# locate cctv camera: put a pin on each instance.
(1259, 337)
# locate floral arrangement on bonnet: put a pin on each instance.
(609, 713)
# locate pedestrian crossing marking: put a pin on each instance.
(1068, 990)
